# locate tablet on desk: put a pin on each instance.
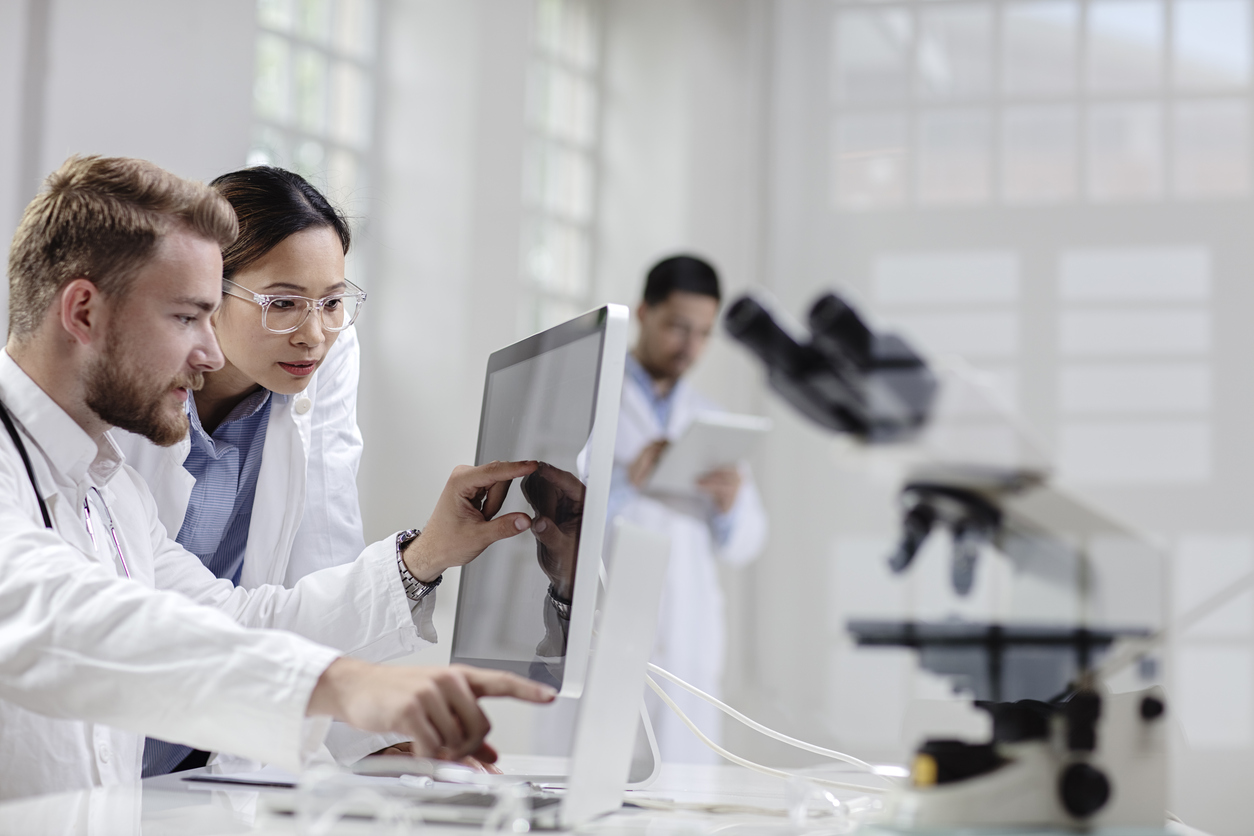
(713, 441)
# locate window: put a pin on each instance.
(314, 90)
(561, 161)
(1030, 102)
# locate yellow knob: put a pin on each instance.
(924, 772)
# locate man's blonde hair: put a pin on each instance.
(102, 218)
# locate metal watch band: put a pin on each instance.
(415, 590)
(562, 607)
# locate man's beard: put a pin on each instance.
(124, 397)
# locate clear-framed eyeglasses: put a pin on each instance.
(283, 314)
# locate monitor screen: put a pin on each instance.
(526, 603)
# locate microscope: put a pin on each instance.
(1066, 754)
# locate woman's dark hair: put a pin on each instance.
(685, 273)
(271, 204)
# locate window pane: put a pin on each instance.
(310, 71)
(355, 27)
(1115, 333)
(350, 104)
(1211, 149)
(953, 157)
(313, 20)
(566, 29)
(556, 257)
(1167, 388)
(955, 51)
(1039, 47)
(1125, 152)
(559, 180)
(870, 160)
(271, 86)
(275, 14)
(1211, 43)
(269, 147)
(1135, 274)
(343, 178)
(309, 160)
(1039, 154)
(872, 54)
(1134, 452)
(562, 103)
(1125, 44)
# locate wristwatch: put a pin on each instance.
(415, 590)
(562, 606)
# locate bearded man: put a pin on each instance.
(109, 630)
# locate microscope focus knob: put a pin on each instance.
(1152, 708)
(1084, 789)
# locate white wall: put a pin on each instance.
(165, 81)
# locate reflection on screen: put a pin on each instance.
(513, 608)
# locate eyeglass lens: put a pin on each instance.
(288, 313)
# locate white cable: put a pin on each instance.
(1117, 662)
(748, 764)
(758, 727)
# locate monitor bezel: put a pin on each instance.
(611, 321)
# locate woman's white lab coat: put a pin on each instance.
(691, 633)
(306, 515)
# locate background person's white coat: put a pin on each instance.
(691, 635)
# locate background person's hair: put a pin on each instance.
(101, 218)
(272, 204)
(684, 273)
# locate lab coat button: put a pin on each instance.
(303, 405)
(104, 753)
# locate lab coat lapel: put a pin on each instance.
(163, 470)
(279, 503)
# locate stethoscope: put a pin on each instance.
(43, 508)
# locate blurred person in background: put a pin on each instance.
(725, 523)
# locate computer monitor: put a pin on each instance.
(526, 604)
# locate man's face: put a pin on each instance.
(674, 333)
(160, 341)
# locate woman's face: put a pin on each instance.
(309, 263)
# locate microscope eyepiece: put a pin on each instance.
(750, 323)
(839, 332)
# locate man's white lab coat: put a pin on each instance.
(90, 663)
(306, 515)
(691, 633)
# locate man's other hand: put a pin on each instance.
(488, 767)
(722, 485)
(642, 468)
(462, 524)
(437, 708)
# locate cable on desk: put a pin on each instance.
(758, 727)
(748, 764)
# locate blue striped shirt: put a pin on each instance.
(226, 465)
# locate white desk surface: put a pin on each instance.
(168, 807)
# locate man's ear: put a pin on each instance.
(80, 307)
(641, 309)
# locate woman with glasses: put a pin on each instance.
(264, 490)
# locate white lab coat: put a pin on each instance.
(306, 515)
(691, 632)
(91, 662)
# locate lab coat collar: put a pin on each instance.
(69, 449)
